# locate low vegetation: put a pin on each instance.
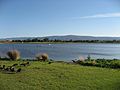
(13, 54)
(59, 76)
(104, 63)
(42, 57)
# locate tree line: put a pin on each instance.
(75, 41)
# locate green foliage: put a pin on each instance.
(73, 41)
(115, 64)
(101, 63)
(13, 54)
(59, 76)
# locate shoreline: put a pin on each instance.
(55, 43)
(101, 63)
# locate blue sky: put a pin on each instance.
(29, 18)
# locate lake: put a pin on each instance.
(65, 52)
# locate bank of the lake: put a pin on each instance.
(59, 42)
(59, 76)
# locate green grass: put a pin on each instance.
(59, 76)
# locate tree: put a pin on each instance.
(46, 39)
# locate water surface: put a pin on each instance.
(64, 52)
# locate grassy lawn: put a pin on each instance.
(59, 76)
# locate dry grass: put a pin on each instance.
(42, 57)
(13, 54)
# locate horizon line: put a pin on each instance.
(58, 35)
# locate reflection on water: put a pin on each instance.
(64, 51)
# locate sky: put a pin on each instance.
(37, 18)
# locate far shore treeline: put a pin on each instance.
(57, 40)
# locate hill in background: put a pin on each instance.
(66, 37)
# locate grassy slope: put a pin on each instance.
(60, 76)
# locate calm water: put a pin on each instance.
(64, 52)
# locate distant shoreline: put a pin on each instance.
(54, 42)
(10, 42)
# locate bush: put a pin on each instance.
(79, 62)
(115, 64)
(101, 63)
(42, 57)
(93, 62)
(13, 54)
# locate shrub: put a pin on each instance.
(13, 54)
(115, 64)
(93, 62)
(82, 59)
(42, 57)
(79, 62)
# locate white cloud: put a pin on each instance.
(107, 15)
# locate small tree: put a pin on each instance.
(42, 57)
(13, 54)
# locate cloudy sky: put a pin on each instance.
(28, 18)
